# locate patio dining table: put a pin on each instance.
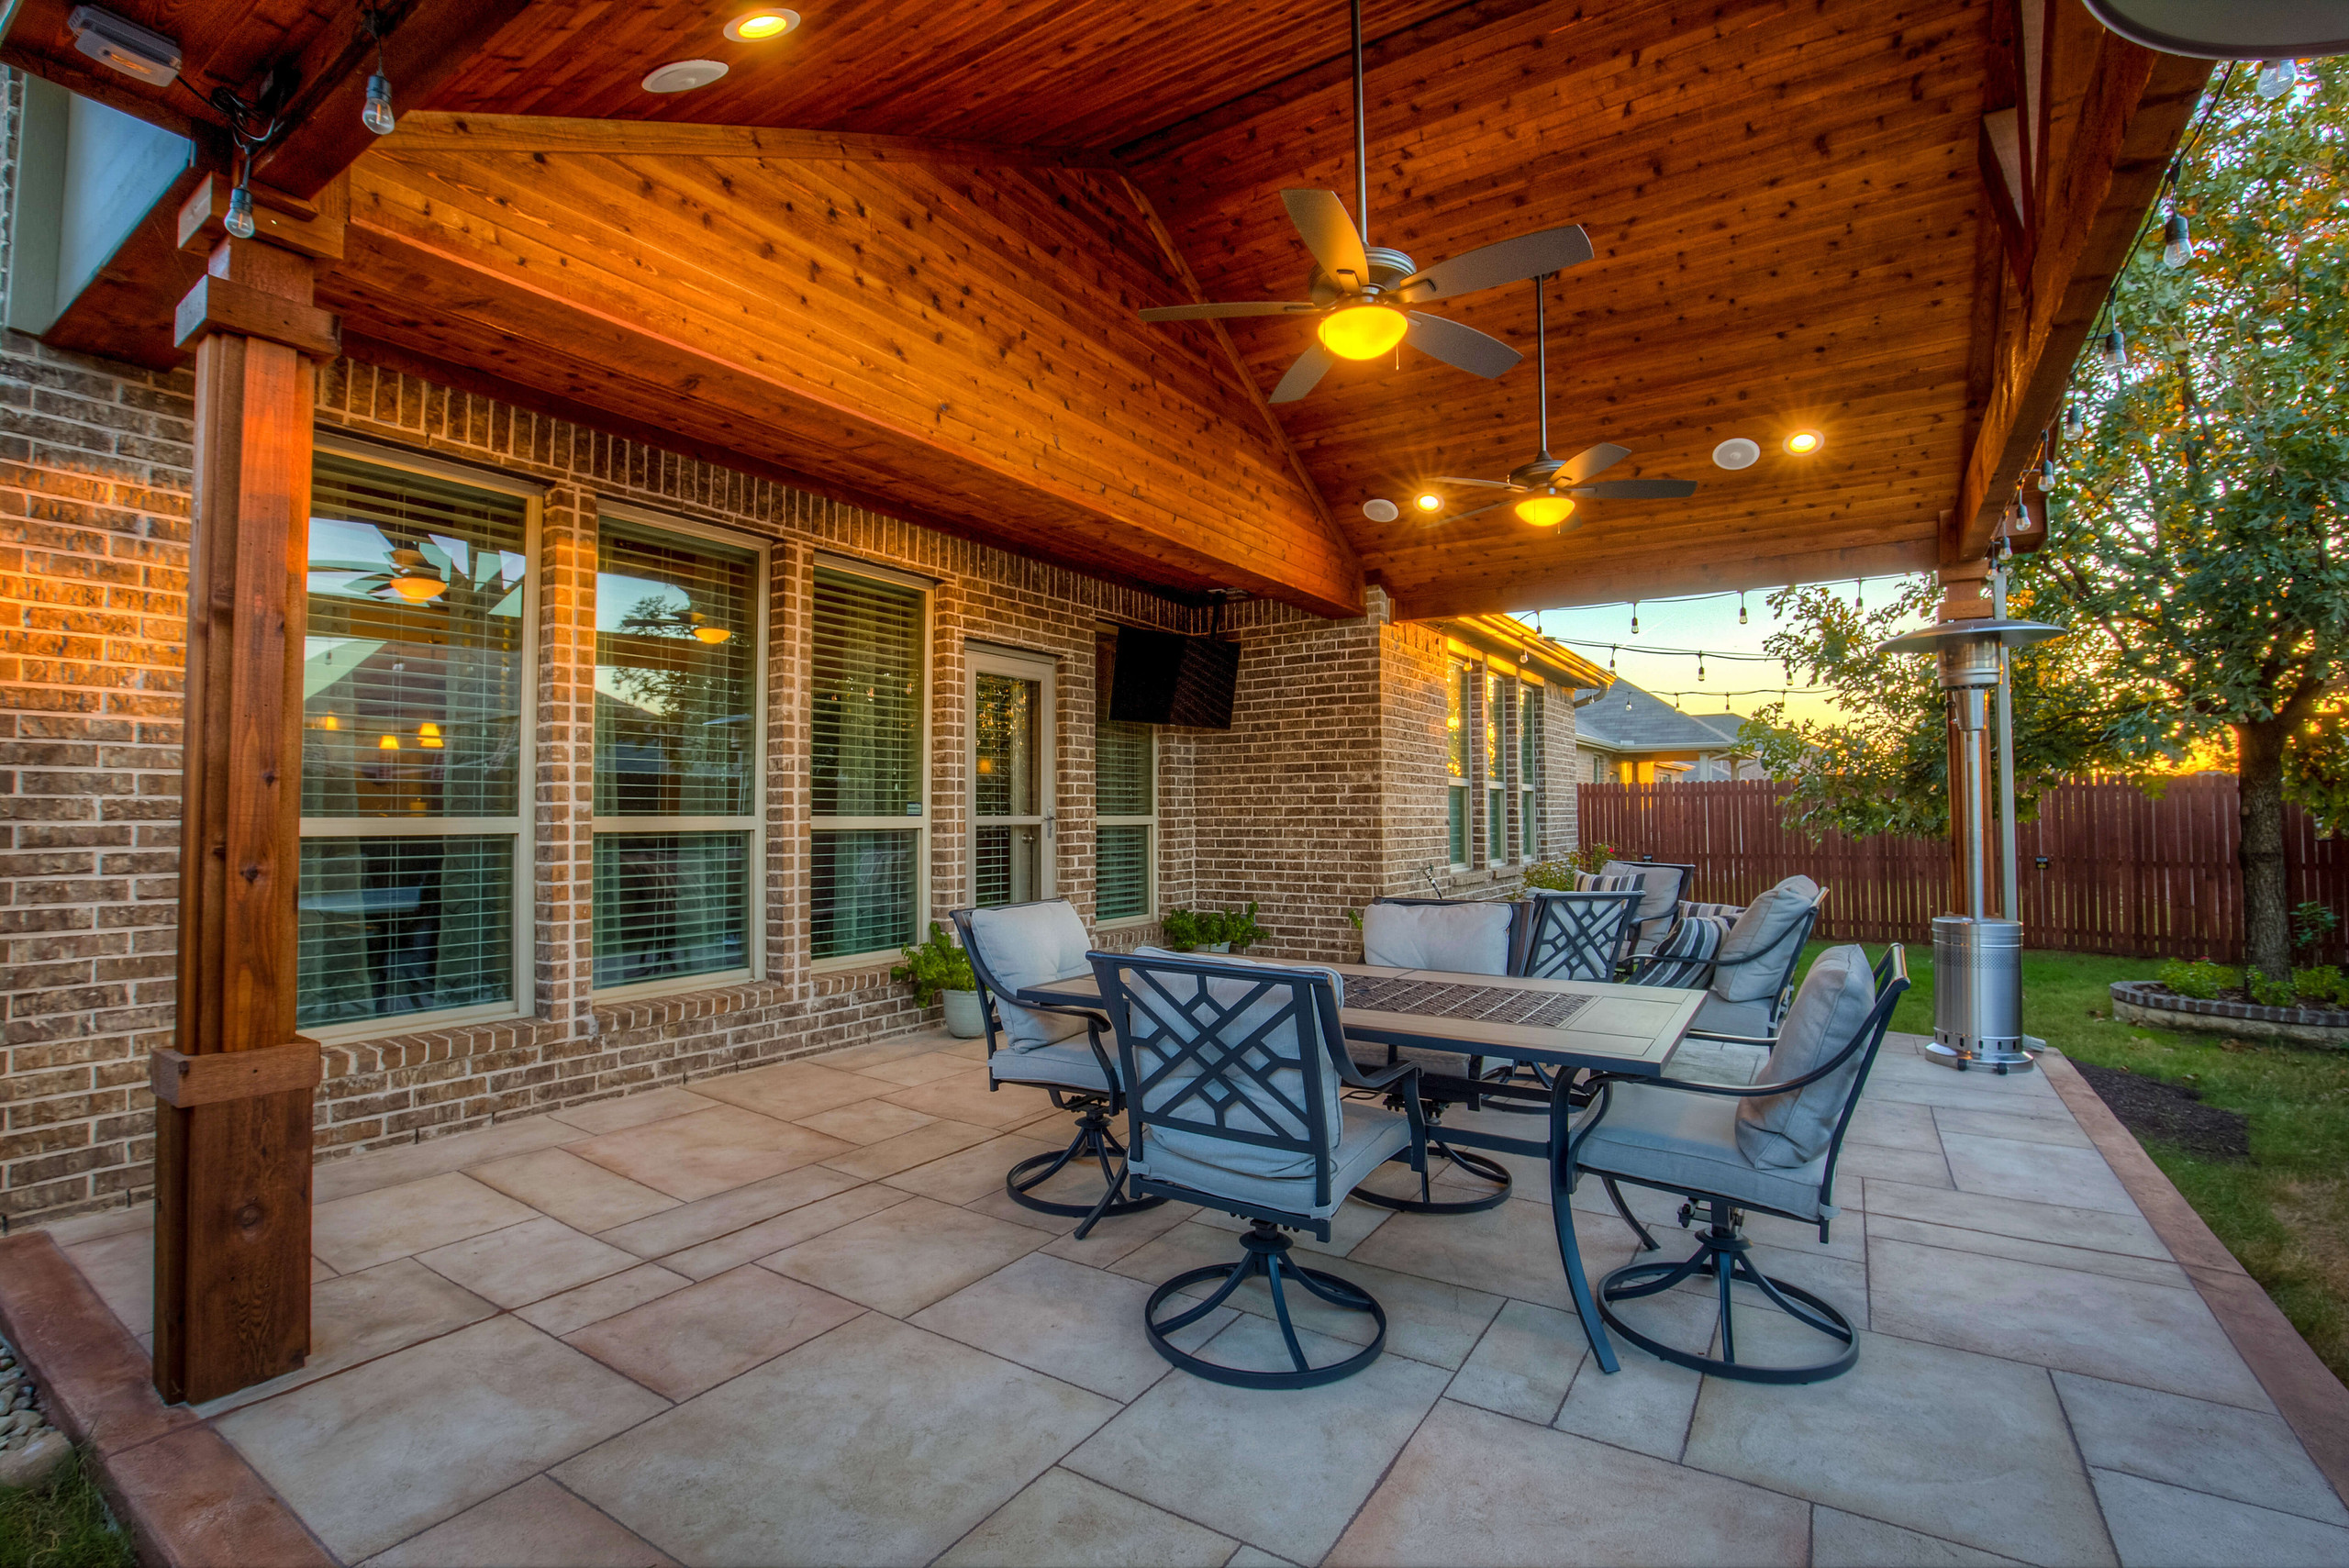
(1561, 1025)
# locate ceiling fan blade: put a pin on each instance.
(1638, 490)
(1463, 516)
(1322, 222)
(1486, 484)
(1591, 460)
(1304, 375)
(1230, 308)
(1462, 346)
(1504, 262)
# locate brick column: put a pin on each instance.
(565, 945)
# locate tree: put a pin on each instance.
(2197, 547)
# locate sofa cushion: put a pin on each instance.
(1466, 937)
(1786, 1131)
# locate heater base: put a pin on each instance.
(1999, 1059)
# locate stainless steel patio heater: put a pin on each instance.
(1977, 953)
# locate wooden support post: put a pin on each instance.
(232, 1149)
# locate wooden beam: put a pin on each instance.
(423, 131)
(232, 1234)
(1688, 573)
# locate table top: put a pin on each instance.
(1622, 1028)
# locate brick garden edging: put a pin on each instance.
(2156, 1006)
(2311, 1400)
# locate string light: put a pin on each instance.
(1740, 609)
(2074, 421)
(238, 219)
(2178, 242)
(2277, 77)
(2115, 348)
(1700, 666)
(1635, 618)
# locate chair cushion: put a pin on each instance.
(1725, 912)
(1068, 1066)
(1600, 882)
(1689, 1142)
(1459, 939)
(1749, 1019)
(1790, 1130)
(1660, 886)
(1752, 962)
(1717, 1062)
(1684, 959)
(1370, 1137)
(1029, 944)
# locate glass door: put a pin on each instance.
(1012, 768)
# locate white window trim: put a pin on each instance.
(1454, 668)
(1493, 736)
(754, 821)
(522, 824)
(1150, 853)
(1532, 700)
(849, 566)
(987, 658)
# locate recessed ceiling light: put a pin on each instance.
(1736, 452)
(756, 26)
(1381, 510)
(1802, 444)
(1428, 501)
(685, 75)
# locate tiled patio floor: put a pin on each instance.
(789, 1316)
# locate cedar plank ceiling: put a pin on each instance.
(1782, 196)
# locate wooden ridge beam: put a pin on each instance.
(428, 132)
(1577, 583)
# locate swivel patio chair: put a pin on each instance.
(1663, 885)
(1769, 1147)
(1449, 936)
(1746, 963)
(1012, 947)
(1234, 1073)
(1583, 935)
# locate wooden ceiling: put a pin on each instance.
(1787, 202)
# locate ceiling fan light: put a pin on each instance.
(713, 635)
(1545, 511)
(1362, 331)
(419, 589)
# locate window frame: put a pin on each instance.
(1459, 675)
(754, 822)
(1149, 824)
(1496, 745)
(1531, 699)
(522, 824)
(924, 828)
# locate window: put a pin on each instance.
(1497, 812)
(677, 754)
(1529, 772)
(416, 682)
(1456, 704)
(1125, 801)
(869, 840)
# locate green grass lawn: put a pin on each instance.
(2284, 1211)
(61, 1523)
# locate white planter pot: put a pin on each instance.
(965, 1019)
(1217, 947)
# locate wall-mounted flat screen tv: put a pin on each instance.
(1164, 677)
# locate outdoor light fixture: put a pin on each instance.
(2277, 77)
(2115, 348)
(418, 586)
(1362, 331)
(756, 26)
(1740, 609)
(683, 75)
(1802, 444)
(1545, 511)
(388, 743)
(377, 116)
(124, 46)
(427, 734)
(329, 722)
(713, 635)
(2075, 422)
(1428, 501)
(2178, 242)
(239, 220)
(1379, 509)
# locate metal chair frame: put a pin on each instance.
(1722, 1251)
(1204, 1068)
(1646, 970)
(1566, 939)
(1671, 917)
(1096, 1140)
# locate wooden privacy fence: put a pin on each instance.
(2105, 868)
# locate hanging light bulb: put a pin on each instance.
(1859, 592)
(2048, 474)
(1740, 609)
(1700, 666)
(2277, 77)
(2178, 242)
(377, 116)
(1610, 659)
(1635, 618)
(240, 218)
(2075, 422)
(1627, 701)
(2115, 348)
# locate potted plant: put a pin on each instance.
(1239, 928)
(1183, 931)
(1210, 930)
(938, 968)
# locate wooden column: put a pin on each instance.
(232, 1147)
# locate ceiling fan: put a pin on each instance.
(411, 576)
(1356, 289)
(1547, 488)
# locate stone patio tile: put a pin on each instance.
(356, 1317)
(378, 1225)
(872, 1053)
(559, 1315)
(966, 1097)
(907, 1256)
(535, 1524)
(2248, 1455)
(1645, 1406)
(378, 1168)
(1110, 1241)
(968, 1049)
(865, 1121)
(1942, 1087)
(2098, 1230)
(580, 1192)
(1477, 1488)
(1893, 1124)
(2036, 1173)
(371, 1455)
(2021, 1128)
(788, 1228)
(1875, 1161)
(810, 1457)
(1062, 1520)
(632, 1110)
(908, 1150)
(2169, 1526)
(691, 1224)
(1077, 1324)
(1839, 1540)
(527, 1263)
(1966, 1447)
(709, 1152)
(2119, 1266)
(121, 1268)
(1509, 1251)
(1257, 1557)
(688, 1340)
(789, 1090)
(972, 1174)
(319, 1271)
(1353, 1224)
(908, 1071)
(1846, 1238)
(70, 1233)
(1524, 1365)
(2146, 1334)
(1286, 1471)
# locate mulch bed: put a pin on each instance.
(2171, 1112)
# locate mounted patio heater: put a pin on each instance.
(1977, 956)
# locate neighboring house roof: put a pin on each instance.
(1725, 725)
(1651, 724)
